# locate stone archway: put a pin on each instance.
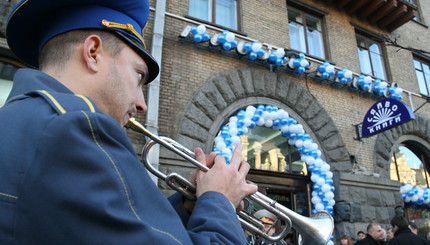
(387, 140)
(212, 104)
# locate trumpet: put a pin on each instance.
(314, 230)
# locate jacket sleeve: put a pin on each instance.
(85, 185)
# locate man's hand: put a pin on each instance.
(229, 180)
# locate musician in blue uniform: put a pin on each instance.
(268, 219)
(68, 173)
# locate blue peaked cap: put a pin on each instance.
(33, 22)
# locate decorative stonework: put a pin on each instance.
(222, 95)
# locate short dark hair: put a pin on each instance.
(400, 221)
(59, 49)
(360, 232)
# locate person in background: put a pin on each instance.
(390, 234)
(414, 228)
(375, 235)
(289, 239)
(68, 171)
(268, 220)
(345, 240)
(403, 235)
(361, 235)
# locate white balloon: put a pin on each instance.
(280, 52)
(229, 37)
(414, 198)
(310, 160)
(268, 123)
(329, 69)
(315, 200)
(291, 142)
(245, 130)
(235, 140)
(218, 139)
(260, 121)
(201, 29)
(265, 115)
(320, 181)
(383, 85)
(247, 121)
(249, 114)
(367, 79)
(325, 167)
(303, 158)
(221, 145)
(226, 150)
(307, 144)
(256, 46)
(304, 63)
(273, 115)
(299, 128)
(285, 128)
(329, 194)
(318, 162)
(332, 202)
(314, 146)
(251, 108)
(283, 114)
(291, 63)
(319, 207)
(398, 90)
(233, 131)
(299, 143)
(318, 152)
(329, 174)
(232, 119)
(325, 187)
(315, 177)
(348, 74)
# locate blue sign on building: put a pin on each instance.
(385, 114)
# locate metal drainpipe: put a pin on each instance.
(154, 87)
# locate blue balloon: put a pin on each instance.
(252, 56)
(301, 70)
(280, 61)
(329, 181)
(221, 38)
(198, 38)
(226, 46)
(260, 52)
(247, 47)
(343, 80)
(272, 58)
(316, 187)
(206, 37)
(194, 30)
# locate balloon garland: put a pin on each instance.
(415, 195)
(300, 64)
(278, 119)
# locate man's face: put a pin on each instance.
(122, 95)
(361, 236)
(377, 233)
(267, 227)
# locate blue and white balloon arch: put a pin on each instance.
(415, 195)
(278, 119)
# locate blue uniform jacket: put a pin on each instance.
(69, 175)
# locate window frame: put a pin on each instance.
(305, 11)
(213, 19)
(371, 38)
(422, 60)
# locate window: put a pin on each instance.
(7, 72)
(417, 16)
(220, 12)
(306, 33)
(267, 149)
(371, 57)
(410, 164)
(423, 76)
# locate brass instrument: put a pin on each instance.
(315, 230)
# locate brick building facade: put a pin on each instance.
(202, 85)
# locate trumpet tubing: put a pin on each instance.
(314, 230)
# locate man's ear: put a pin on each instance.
(92, 52)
